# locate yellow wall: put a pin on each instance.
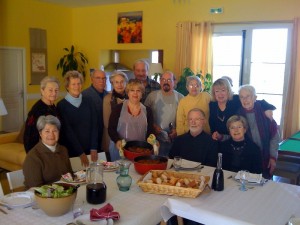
(93, 29)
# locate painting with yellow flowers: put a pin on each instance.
(130, 27)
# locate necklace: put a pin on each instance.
(238, 148)
(221, 118)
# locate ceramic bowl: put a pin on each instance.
(143, 164)
(56, 206)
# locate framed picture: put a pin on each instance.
(38, 65)
(130, 26)
(38, 62)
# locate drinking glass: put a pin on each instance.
(78, 208)
(244, 174)
(177, 162)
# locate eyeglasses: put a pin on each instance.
(165, 80)
(119, 82)
(196, 120)
(194, 85)
(100, 78)
(248, 97)
(236, 127)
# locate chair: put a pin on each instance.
(76, 162)
(1, 190)
(15, 180)
(288, 170)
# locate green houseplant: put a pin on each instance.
(72, 61)
(206, 81)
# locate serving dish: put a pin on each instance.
(143, 148)
(57, 206)
(143, 164)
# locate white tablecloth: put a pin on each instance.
(134, 206)
(271, 204)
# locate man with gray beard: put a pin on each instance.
(164, 104)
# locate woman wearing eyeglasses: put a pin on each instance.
(195, 99)
(239, 152)
(225, 104)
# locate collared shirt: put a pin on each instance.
(152, 85)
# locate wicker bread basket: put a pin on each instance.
(163, 189)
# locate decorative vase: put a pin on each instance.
(124, 180)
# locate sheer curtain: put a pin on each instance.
(193, 47)
(291, 120)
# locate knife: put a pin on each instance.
(3, 211)
(193, 168)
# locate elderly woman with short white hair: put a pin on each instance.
(47, 160)
(118, 80)
(79, 131)
(195, 99)
(262, 131)
(45, 106)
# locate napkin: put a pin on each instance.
(252, 177)
(106, 212)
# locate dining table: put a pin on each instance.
(134, 206)
(269, 204)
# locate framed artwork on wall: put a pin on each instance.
(38, 60)
(38, 65)
(130, 26)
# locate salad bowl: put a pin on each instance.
(56, 199)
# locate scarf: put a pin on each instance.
(115, 96)
(74, 101)
(266, 128)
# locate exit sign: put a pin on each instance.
(216, 10)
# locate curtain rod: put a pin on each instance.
(244, 22)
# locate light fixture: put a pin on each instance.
(155, 68)
(3, 110)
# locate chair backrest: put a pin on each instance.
(15, 179)
(76, 162)
(1, 190)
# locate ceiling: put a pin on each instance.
(83, 3)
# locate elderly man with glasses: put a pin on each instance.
(96, 92)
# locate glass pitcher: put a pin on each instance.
(95, 187)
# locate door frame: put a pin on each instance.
(24, 78)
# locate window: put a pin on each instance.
(254, 54)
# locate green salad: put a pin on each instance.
(54, 191)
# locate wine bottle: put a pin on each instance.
(218, 178)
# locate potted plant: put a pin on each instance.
(206, 81)
(72, 61)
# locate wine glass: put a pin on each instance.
(177, 162)
(244, 175)
(78, 208)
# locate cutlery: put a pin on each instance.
(6, 206)
(199, 167)
(3, 211)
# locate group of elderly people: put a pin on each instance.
(195, 127)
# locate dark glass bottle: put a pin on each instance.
(218, 178)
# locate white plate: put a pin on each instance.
(85, 219)
(186, 164)
(18, 199)
(294, 221)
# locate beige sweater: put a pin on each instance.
(106, 115)
(187, 103)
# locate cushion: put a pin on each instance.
(13, 153)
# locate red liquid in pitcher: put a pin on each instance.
(96, 193)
